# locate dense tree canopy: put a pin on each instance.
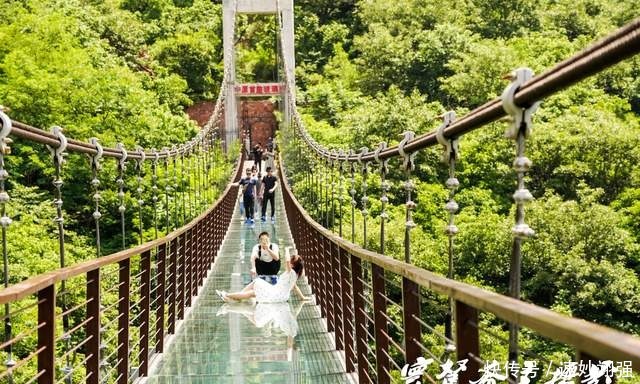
(405, 65)
(367, 70)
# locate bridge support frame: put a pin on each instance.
(230, 9)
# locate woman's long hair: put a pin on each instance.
(298, 265)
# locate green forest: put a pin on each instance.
(383, 69)
(366, 71)
(371, 70)
(123, 72)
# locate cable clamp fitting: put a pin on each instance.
(7, 125)
(123, 157)
(519, 117)
(409, 159)
(58, 152)
(140, 152)
(95, 159)
(451, 150)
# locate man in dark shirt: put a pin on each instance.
(269, 185)
(248, 183)
(257, 157)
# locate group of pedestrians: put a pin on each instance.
(257, 189)
(269, 288)
(260, 153)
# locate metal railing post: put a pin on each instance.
(161, 257)
(123, 321)
(145, 296)
(359, 316)
(467, 340)
(92, 328)
(46, 334)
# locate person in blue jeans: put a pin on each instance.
(265, 259)
(269, 185)
(248, 184)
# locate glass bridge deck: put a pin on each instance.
(245, 343)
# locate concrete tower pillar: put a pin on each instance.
(288, 52)
(230, 108)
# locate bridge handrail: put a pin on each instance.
(597, 340)
(34, 284)
(622, 44)
(38, 135)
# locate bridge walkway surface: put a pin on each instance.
(245, 342)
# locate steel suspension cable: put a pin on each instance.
(605, 53)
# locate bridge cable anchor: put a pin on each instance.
(408, 165)
(450, 154)
(384, 185)
(520, 128)
(5, 221)
(96, 166)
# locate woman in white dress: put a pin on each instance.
(278, 293)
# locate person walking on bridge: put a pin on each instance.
(248, 184)
(269, 185)
(247, 145)
(257, 157)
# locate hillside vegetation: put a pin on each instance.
(372, 70)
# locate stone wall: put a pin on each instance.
(254, 116)
(201, 111)
(257, 118)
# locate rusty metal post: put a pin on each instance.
(181, 289)
(329, 288)
(467, 340)
(46, 334)
(187, 261)
(348, 318)
(123, 321)
(195, 262)
(380, 323)
(411, 307)
(337, 297)
(173, 286)
(162, 286)
(359, 316)
(319, 266)
(201, 251)
(145, 300)
(92, 328)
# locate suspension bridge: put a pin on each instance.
(148, 313)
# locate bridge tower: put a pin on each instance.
(230, 9)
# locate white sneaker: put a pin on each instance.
(222, 311)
